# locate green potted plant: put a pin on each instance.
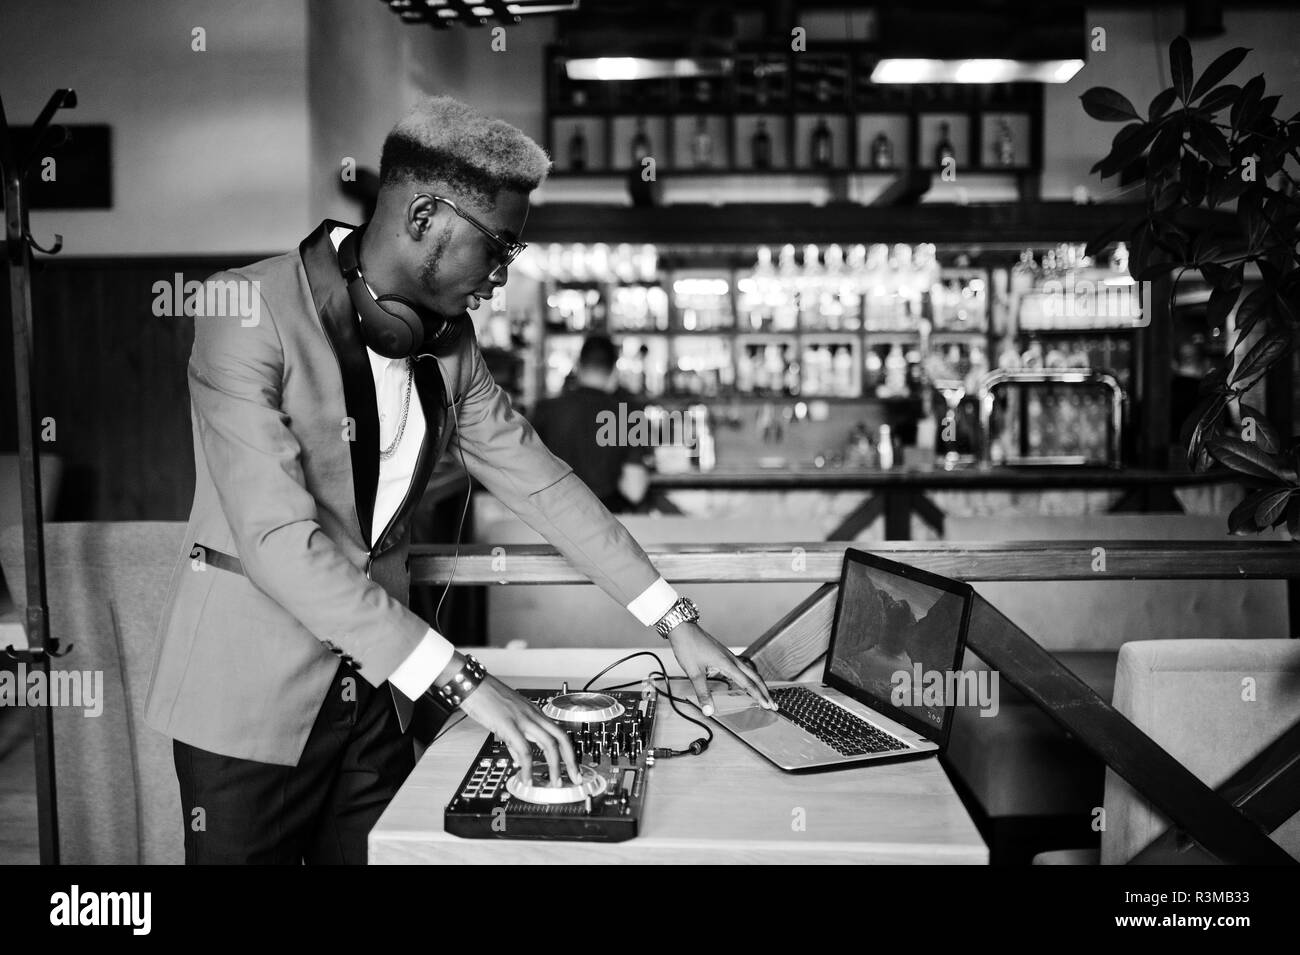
(1211, 146)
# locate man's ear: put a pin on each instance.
(420, 215)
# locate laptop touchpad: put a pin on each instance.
(751, 718)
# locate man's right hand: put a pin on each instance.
(501, 710)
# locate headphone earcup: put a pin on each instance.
(401, 329)
(444, 339)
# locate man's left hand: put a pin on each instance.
(701, 657)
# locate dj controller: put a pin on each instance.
(612, 735)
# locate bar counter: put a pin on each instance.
(899, 493)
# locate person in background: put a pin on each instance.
(568, 426)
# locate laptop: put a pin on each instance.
(887, 691)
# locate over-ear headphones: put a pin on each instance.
(392, 325)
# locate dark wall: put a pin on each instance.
(112, 376)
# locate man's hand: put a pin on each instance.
(497, 708)
(701, 657)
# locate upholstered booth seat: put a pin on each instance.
(117, 796)
(1211, 704)
(1029, 785)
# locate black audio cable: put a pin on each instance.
(460, 528)
(698, 746)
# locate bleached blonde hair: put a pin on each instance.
(442, 140)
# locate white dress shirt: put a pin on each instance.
(417, 672)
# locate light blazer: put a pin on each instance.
(277, 581)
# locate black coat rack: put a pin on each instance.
(41, 647)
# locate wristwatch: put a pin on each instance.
(680, 612)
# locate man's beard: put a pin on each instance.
(429, 270)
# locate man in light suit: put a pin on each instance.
(289, 667)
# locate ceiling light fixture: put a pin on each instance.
(443, 14)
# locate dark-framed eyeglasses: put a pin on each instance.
(508, 249)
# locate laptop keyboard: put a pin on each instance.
(833, 725)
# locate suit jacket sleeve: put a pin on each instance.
(253, 456)
(504, 453)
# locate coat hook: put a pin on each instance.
(52, 250)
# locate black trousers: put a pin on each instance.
(238, 811)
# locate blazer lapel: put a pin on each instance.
(339, 320)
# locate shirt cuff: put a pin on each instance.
(416, 673)
(655, 601)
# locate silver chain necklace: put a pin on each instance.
(391, 450)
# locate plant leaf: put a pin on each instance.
(1180, 67)
(1242, 517)
(1248, 211)
(1206, 426)
(1128, 144)
(1209, 142)
(1253, 307)
(1270, 510)
(1244, 108)
(1166, 149)
(1160, 103)
(1246, 458)
(1202, 419)
(1221, 301)
(1107, 105)
(1223, 96)
(1266, 106)
(1098, 243)
(1272, 345)
(1233, 186)
(1224, 64)
(1266, 433)
(1293, 518)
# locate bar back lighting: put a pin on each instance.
(644, 68)
(917, 70)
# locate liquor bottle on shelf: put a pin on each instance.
(578, 150)
(702, 143)
(640, 142)
(886, 448)
(842, 370)
(1032, 359)
(944, 149)
(1006, 149)
(790, 383)
(895, 383)
(882, 152)
(821, 145)
(1034, 422)
(1023, 272)
(760, 146)
(777, 367)
(705, 454)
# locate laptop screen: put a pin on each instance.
(898, 633)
